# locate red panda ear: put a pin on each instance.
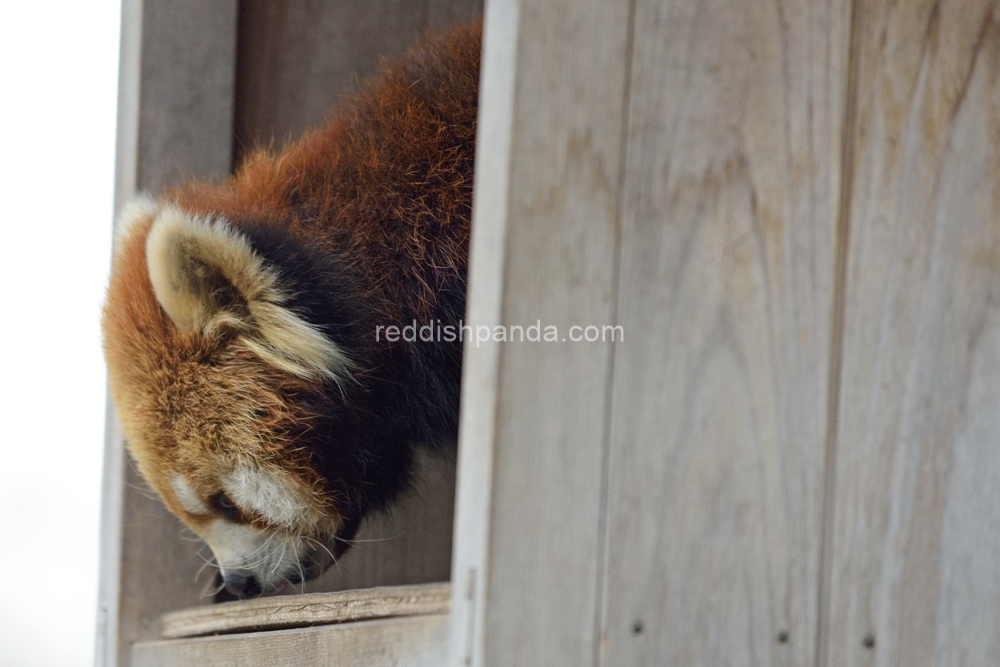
(206, 276)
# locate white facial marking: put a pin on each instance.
(186, 496)
(274, 499)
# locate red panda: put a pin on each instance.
(242, 321)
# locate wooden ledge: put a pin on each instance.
(407, 641)
(295, 611)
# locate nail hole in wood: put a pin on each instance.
(783, 637)
(637, 628)
(868, 641)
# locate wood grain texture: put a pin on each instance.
(297, 58)
(917, 526)
(720, 393)
(186, 91)
(410, 544)
(418, 641)
(273, 613)
(175, 121)
(553, 77)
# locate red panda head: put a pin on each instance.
(223, 385)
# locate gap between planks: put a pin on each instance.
(294, 611)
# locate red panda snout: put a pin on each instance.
(242, 585)
(260, 527)
(255, 561)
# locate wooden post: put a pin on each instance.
(175, 115)
(533, 435)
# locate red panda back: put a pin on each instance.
(388, 176)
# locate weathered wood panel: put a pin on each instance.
(917, 527)
(418, 641)
(298, 57)
(718, 431)
(175, 121)
(544, 248)
(186, 88)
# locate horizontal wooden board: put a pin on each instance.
(291, 611)
(397, 642)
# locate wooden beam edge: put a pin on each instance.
(294, 611)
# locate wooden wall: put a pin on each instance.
(296, 59)
(792, 208)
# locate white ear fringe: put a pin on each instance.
(180, 245)
(134, 212)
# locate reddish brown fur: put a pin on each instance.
(380, 185)
(176, 409)
(385, 155)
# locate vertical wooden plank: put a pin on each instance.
(186, 91)
(444, 12)
(175, 121)
(298, 57)
(544, 249)
(481, 364)
(106, 652)
(917, 524)
(720, 393)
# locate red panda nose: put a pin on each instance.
(241, 585)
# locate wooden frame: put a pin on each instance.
(791, 210)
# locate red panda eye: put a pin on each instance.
(226, 507)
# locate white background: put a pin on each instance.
(58, 82)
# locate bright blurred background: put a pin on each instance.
(58, 88)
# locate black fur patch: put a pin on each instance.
(406, 395)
